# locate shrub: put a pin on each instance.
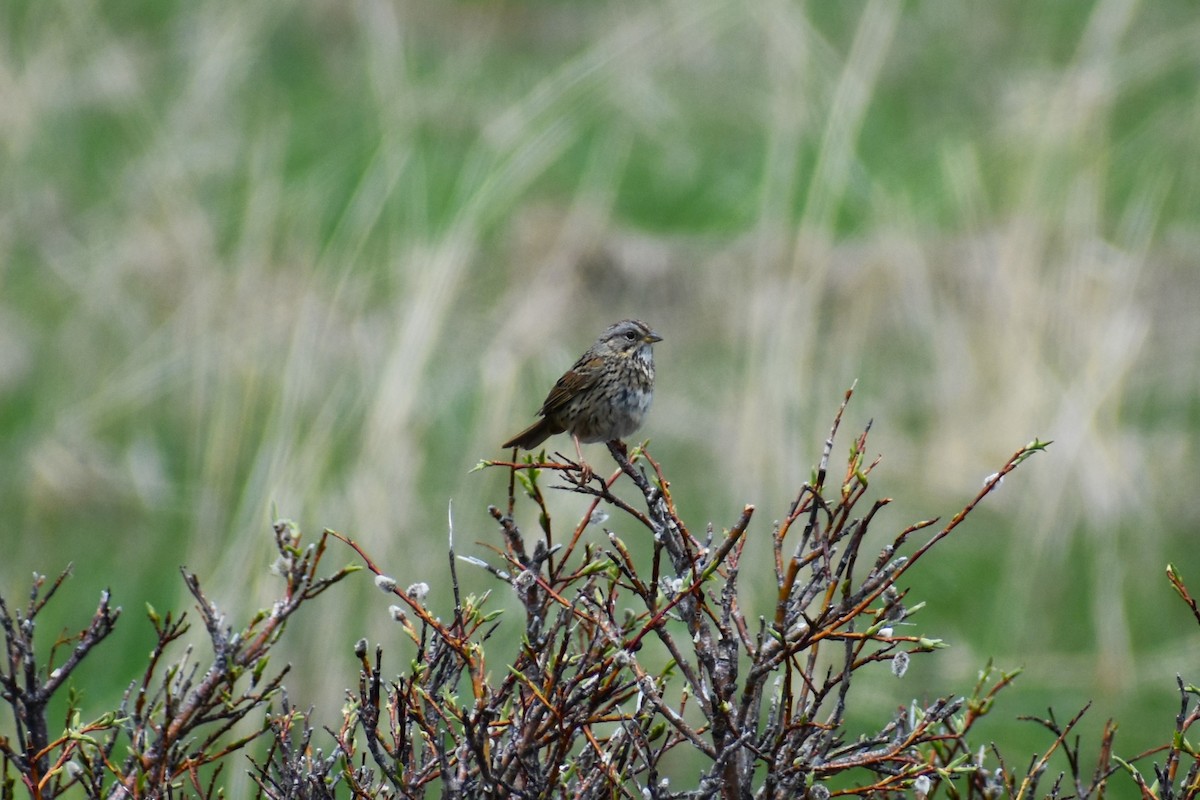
(623, 663)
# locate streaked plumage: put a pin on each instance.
(605, 395)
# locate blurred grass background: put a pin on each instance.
(316, 259)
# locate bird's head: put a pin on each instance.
(628, 337)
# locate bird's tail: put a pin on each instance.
(534, 435)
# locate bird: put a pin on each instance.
(604, 396)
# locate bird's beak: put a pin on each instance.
(651, 338)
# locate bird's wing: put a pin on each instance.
(578, 378)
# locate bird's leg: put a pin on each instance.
(585, 471)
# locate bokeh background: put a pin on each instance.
(317, 259)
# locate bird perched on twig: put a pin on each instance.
(605, 396)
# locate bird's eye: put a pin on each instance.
(630, 335)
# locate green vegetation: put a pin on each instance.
(316, 260)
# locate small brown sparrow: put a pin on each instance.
(605, 396)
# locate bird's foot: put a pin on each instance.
(578, 472)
